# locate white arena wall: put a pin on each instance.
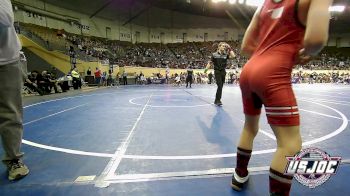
(153, 26)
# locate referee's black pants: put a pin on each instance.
(189, 79)
(220, 80)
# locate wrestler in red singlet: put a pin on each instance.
(266, 78)
(275, 41)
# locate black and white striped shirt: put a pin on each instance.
(219, 61)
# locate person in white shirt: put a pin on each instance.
(11, 82)
(178, 80)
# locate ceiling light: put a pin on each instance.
(255, 3)
(232, 1)
(217, 1)
(337, 8)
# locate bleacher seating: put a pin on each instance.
(173, 55)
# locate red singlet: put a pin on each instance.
(266, 78)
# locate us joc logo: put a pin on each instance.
(312, 167)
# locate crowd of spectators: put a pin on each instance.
(327, 77)
(94, 47)
(173, 55)
(328, 61)
(44, 83)
(180, 55)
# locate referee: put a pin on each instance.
(189, 78)
(219, 60)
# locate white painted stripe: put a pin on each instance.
(320, 99)
(264, 132)
(163, 179)
(118, 155)
(132, 101)
(65, 150)
(315, 94)
(282, 108)
(328, 136)
(272, 136)
(84, 179)
(36, 120)
(213, 173)
(141, 89)
(281, 113)
(180, 106)
(325, 101)
(321, 114)
(193, 157)
(180, 157)
(183, 174)
(53, 100)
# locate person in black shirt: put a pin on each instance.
(88, 72)
(189, 77)
(47, 82)
(219, 60)
(30, 82)
(42, 84)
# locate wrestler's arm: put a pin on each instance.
(249, 42)
(317, 26)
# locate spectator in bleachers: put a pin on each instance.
(76, 78)
(31, 82)
(177, 55)
(177, 80)
(54, 72)
(88, 72)
(98, 76)
(117, 79)
(104, 79)
(109, 78)
(41, 82)
(125, 78)
(49, 82)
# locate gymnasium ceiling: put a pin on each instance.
(133, 10)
